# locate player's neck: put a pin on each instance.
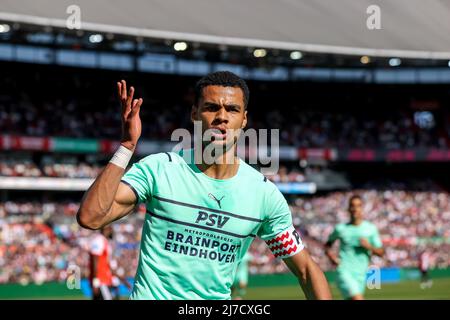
(226, 166)
(356, 222)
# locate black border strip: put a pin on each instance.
(198, 226)
(132, 189)
(207, 209)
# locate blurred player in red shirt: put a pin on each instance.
(100, 269)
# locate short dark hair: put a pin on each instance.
(354, 197)
(221, 78)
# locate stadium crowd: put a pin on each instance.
(16, 167)
(308, 129)
(28, 168)
(85, 105)
(39, 241)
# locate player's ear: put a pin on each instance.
(194, 113)
(244, 122)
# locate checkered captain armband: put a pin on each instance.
(286, 244)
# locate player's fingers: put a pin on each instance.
(141, 101)
(124, 90)
(133, 106)
(136, 106)
(139, 104)
(125, 108)
(130, 95)
(119, 90)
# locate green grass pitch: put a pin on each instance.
(406, 290)
(409, 290)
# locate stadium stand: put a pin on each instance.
(306, 118)
(40, 239)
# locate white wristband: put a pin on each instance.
(122, 157)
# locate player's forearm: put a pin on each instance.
(95, 207)
(332, 256)
(377, 251)
(313, 282)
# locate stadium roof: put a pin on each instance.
(409, 28)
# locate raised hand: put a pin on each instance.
(131, 122)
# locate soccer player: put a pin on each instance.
(358, 239)
(424, 264)
(201, 216)
(100, 269)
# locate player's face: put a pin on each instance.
(107, 232)
(222, 109)
(355, 209)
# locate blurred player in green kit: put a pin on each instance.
(241, 279)
(358, 239)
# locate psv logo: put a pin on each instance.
(211, 219)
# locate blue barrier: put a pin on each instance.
(123, 291)
(384, 275)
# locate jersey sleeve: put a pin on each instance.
(375, 239)
(334, 235)
(140, 178)
(277, 229)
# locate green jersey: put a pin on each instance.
(197, 229)
(354, 258)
